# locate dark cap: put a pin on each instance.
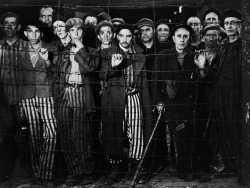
(232, 13)
(125, 26)
(120, 20)
(145, 22)
(215, 10)
(37, 23)
(185, 26)
(104, 16)
(211, 27)
(102, 24)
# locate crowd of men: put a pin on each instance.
(90, 91)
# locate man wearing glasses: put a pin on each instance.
(226, 94)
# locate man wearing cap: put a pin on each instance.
(146, 29)
(211, 16)
(174, 76)
(37, 104)
(126, 107)
(203, 151)
(226, 94)
(75, 103)
(163, 33)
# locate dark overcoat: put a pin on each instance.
(114, 96)
(174, 85)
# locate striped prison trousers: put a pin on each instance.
(75, 131)
(39, 112)
(133, 126)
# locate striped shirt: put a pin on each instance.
(10, 69)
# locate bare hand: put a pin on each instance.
(200, 59)
(116, 60)
(44, 54)
(160, 107)
(78, 43)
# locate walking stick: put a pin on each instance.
(145, 151)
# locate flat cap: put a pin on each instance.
(145, 22)
(211, 27)
(74, 22)
(232, 13)
(125, 26)
(102, 24)
(120, 20)
(185, 26)
(215, 10)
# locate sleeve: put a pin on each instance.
(88, 61)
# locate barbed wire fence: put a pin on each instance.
(110, 6)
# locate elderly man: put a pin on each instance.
(74, 99)
(226, 95)
(174, 90)
(211, 16)
(126, 112)
(195, 39)
(163, 33)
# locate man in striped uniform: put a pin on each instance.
(75, 102)
(126, 107)
(10, 46)
(37, 102)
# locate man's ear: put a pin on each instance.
(99, 37)
(25, 33)
(114, 35)
(173, 38)
(19, 27)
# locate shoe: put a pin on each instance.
(75, 180)
(115, 175)
(44, 183)
(143, 179)
(90, 179)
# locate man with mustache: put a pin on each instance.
(126, 107)
(174, 76)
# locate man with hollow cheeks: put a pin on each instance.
(126, 108)
(75, 102)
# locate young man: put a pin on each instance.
(173, 88)
(90, 19)
(10, 46)
(75, 102)
(126, 107)
(105, 34)
(195, 39)
(37, 103)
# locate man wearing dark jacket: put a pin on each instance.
(126, 107)
(173, 91)
(75, 102)
(37, 103)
